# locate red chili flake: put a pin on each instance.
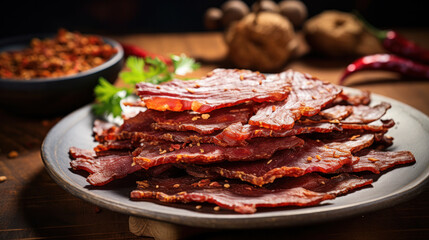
(215, 184)
(202, 183)
(175, 146)
(66, 54)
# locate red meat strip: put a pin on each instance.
(139, 128)
(324, 156)
(82, 153)
(104, 131)
(221, 88)
(152, 155)
(115, 145)
(350, 114)
(307, 97)
(91, 153)
(377, 161)
(383, 143)
(202, 123)
(140, 122)
(171, 136)
(337, 112)
(150, 120)
(104, 169)
(237, 134)
(357, 97)
(376, 126)
(308, 190)
(234, 135)
(103, 128)
(366, 114)
(135, 132)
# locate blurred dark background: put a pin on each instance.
(134, 16)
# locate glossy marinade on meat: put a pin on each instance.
(325, 156)
(150, 155)
(308, 190)
(244, 141)
(307, 97)
(221, 88)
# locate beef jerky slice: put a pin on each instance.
(139, 128)
(307, 97)
(171, 136)
(124, 144)
(377, 161)
(243, 198)
(82, 153)
(367, 114)
(361, 114)
(104, 169)
(206, 123)
(357, 97)
(377, 126)
(104, 130)
(337, 112)
(183, 121)
(221, 88)
(152, 155)
(238, 134)
(324, 156)
(140, 122)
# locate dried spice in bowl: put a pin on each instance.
(65, 54)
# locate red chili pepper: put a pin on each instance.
(388, 62)
(397, 44)
(131, 50)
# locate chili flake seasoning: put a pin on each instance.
(66, 54)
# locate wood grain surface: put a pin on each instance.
(32, 206)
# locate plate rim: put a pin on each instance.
(240, 221)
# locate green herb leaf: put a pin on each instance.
(152, 70)
(108, 98)
(136, 73)
(157, 72)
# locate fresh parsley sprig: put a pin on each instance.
(108, 97)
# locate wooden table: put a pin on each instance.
(33, 206)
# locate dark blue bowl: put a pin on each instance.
(44, 97)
